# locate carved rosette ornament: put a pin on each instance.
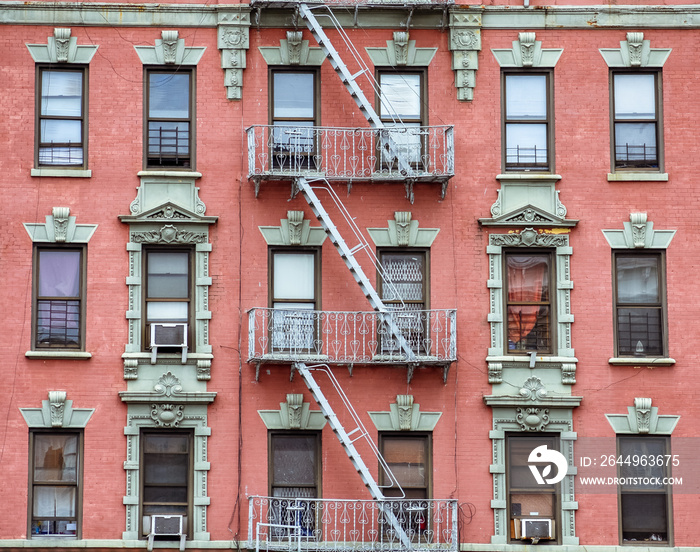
(295, 221)
(167, 415)
(532, 419)
(533, 389)
(635, 41)
(404, 404)
(62, 38)
(168, 385)
(642, 408)
(639, 228)
(401, 47)
(57, 404)
(60, 223)
(295, 404)
(169, 46)
(527, 48)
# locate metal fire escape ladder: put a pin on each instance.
(346, 440)
(386, 315)
(387, 142)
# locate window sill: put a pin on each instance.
(184, 173)
(64, 354)
(646, 361)
(637, 177)
(530, 176)
(63, 173)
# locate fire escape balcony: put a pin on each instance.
(346, 154)
(347, 525)
(339, 337)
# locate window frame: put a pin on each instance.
(658, 120)
(425, 253)
(78, 433)
(422, 120)
(427, 438)
(548, 121)
(81, 297)
(666, 491)
(189, 434)
(552, 349)
(191, 120)
(316, 104)
(316, 252)
(552, 440)
(316, 435)
(662, 305)
(190, 301)
(41, 68)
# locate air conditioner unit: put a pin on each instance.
(536, 528)
(167, 526)
(168, 335)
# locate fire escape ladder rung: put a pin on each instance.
(353, 454)
(385, 316)
(387, 142)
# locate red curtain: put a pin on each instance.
(527, 279)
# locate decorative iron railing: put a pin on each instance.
(351, 153)
(350, 337)
(349, 525)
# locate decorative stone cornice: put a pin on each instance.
(232, 39)
(294, 230)
(529, 237)
(62, 48)
(635, 52)
(642, 418)
(167, 390)
(57, 412)
(465, 43)
(527, 52)
(531, 394)
(169, 50)
(293, 414)
(403, 232)
(405, 415)
(639, 233)
(60, 227)
(401, 52)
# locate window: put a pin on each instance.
(61, 120)
(59, 298)
(636, 122)
(640, 314)
(168, 290)
(528, 122)
(166, 468)
(528, 499)
(529, 302)
(409, 457)
(293, 112)
(55, 478)
(294, 295)
(401, 100)
(405, 288)
(170, 124)
(295, 480)
(645, 504)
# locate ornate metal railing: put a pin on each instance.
(349, 525)
(351, 153)
(350, 337)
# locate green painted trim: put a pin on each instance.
(68, 355)
(649, 362)
(637, 177)
(59, 227)
(62, 173)
(415, 57)
(57, 413)
(638, 233)
(642, 419)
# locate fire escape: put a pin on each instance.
(310, 158)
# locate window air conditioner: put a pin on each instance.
(168, 335)
(167, 526)
(536, 528)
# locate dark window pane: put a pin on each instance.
(408, 460)
(294, 460)
(639, 331)
(642, 515)
(166, 469)
(165, 494)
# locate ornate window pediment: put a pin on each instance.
(639, 233)
(170, 49)
(295, 230)
(405, 415)
(60, 227)
(62, 48)
(293, 51)
(401, 52)
(293, 414)
(643, 418)
(403, 231)
(635, 52)
(527, 52)
(57, 412)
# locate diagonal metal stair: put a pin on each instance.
(347, 443)
(388, 144)
(386, 316)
